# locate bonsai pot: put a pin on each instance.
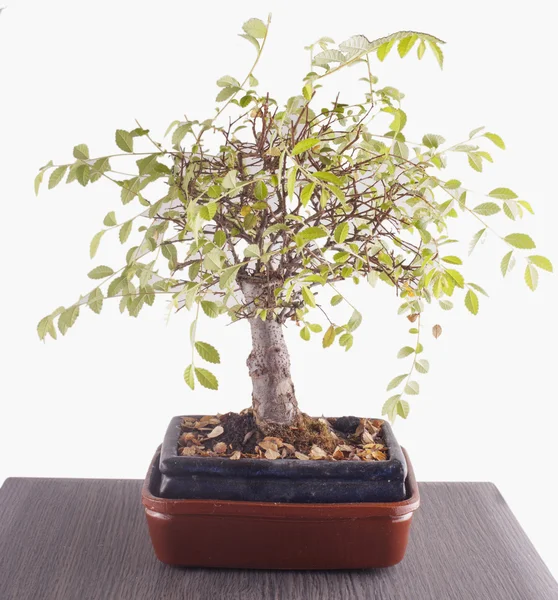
(319, 533)
(260, 480)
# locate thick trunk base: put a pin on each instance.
(273, 394)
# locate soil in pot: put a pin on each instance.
(236, 436)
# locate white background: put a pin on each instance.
(96, 403)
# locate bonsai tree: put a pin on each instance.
(267, 207)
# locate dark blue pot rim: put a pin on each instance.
(173, 464)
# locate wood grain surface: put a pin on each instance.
(75, 539)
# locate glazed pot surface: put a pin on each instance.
(271, 535)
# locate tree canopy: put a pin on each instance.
(295, 198)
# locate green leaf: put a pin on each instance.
(403, 409)
(147, 164)
(487, 209)
(189, 376)
(291, 181)
(405, 351)
(531, 277)
(399, 118)
(252, 251)
(520, 240)
(372, 278)
(475, 131)
(100, 166)
(452, 260)
(431, 140)
(390, 407)
(452, 184)
(110, 219)
(124, 140)
(225, 94)
(46, 326)
(139, 132)
(180, 133)
(412, 388)
(472, 302)
(170, 253)
(207, 379)
(212, 260)
(445, 304)
(422, 366)
(541, 261)
(229, 180)
(208, 352)
(94, 246)
(475, 161)
(406, 44)
(384, 49)
(477, 288)
(255, 27)
(354, 321)
(193, 329)
(341, 232)
(496, 139)
(208, 211)
(335, 300)
(252, 40)
(476, 239)
(130, 189)
(228, 81)
(306, 193)
(210, 308)
(68, 318)
(456, 276)
(81, 151)
(502, 194)
(396, 381)
(304, 146)
(338, 194)
(308, 296)
(437, 53)
(421, 49)
(507, 263)
(228, 276)
(260, 190)
(312, 233)
(329, 337)
(124, 232)
(82, 174)
(305, 334)
(512, 210)
(485, 155)
(95, 300)
(340, 257)
(323, 59)
(219, 238)
(38, 181)
(346, 341)
(56, 176)
(327, 176)
(100, 272)
(526, 206)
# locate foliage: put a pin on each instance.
(298, 198)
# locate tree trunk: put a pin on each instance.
(269, 365)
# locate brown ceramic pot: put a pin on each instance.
(268, 535)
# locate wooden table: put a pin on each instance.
(60, 539)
